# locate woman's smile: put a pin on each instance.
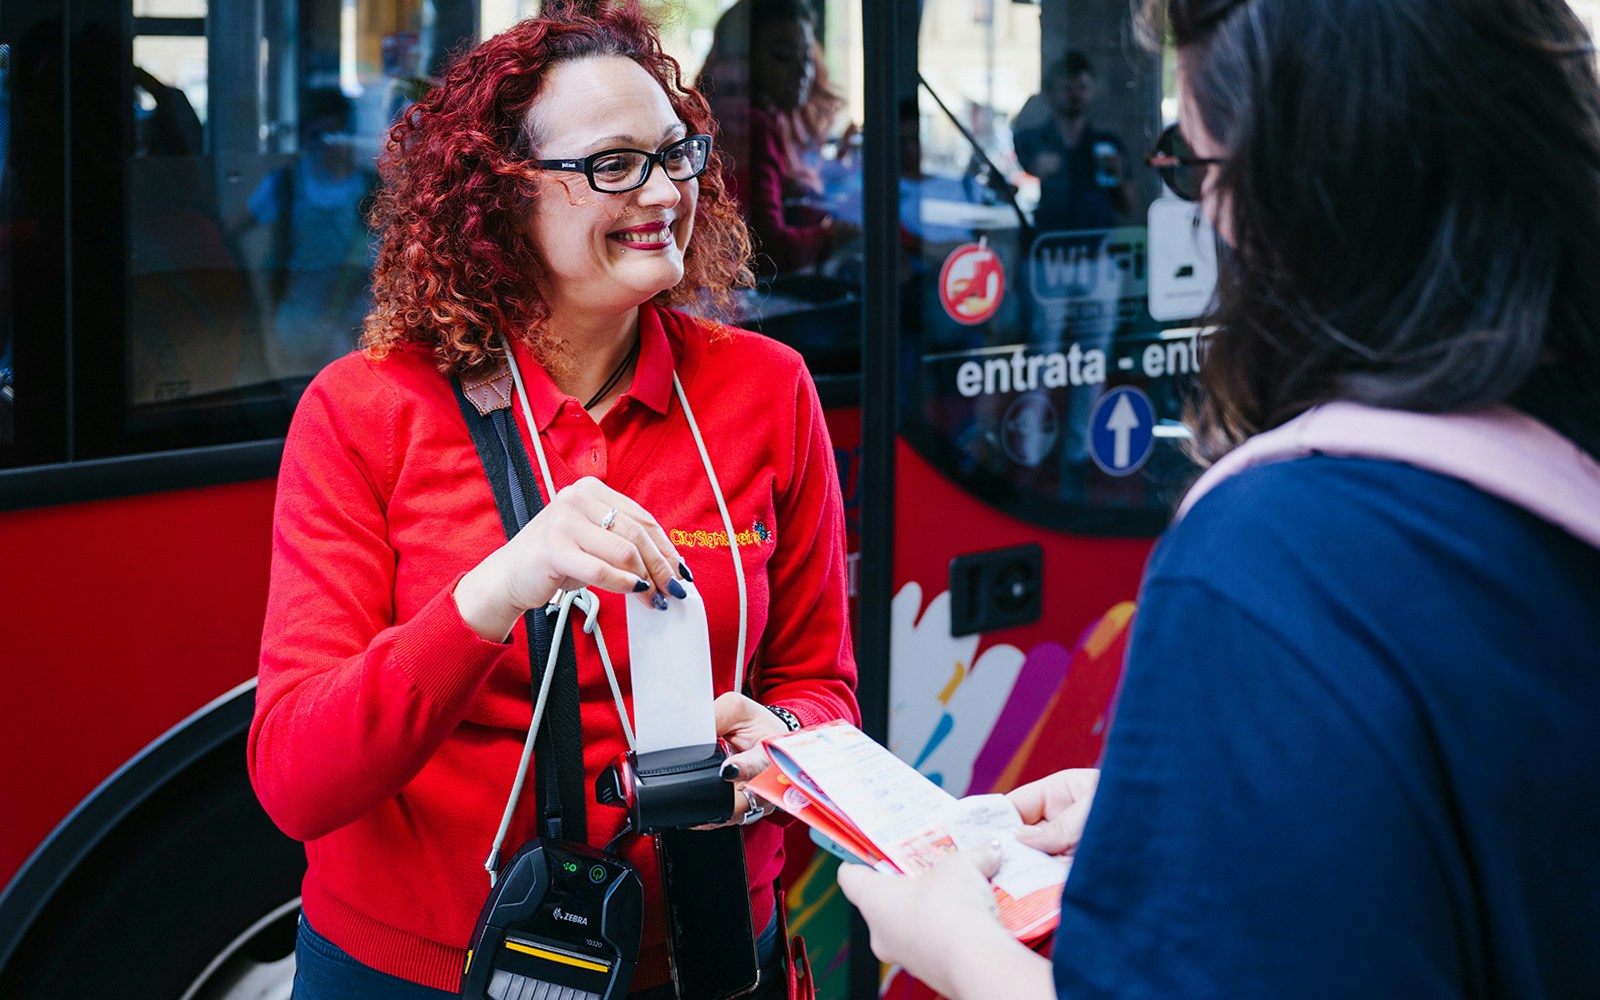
(655, 235)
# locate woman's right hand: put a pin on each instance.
(565, 547)
(944, 927)
(1055, 808)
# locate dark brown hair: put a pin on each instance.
(1415, 203)
(454, 267)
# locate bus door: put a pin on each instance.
(1048, 290)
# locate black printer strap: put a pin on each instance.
(559, 786)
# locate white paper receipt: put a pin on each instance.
(670, 656)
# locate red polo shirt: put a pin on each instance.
(387, 733)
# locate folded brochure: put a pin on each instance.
(850, 788)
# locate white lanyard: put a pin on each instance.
(562, 603)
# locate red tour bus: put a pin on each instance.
(1000, 327)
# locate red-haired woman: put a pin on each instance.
(537, 220)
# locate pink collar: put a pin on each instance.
(1501, 451)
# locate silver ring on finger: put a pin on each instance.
(753, 808)
(610, 519)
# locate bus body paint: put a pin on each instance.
(123, 617)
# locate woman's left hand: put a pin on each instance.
(744, 723)
(1055, 809)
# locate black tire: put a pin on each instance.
(194, 885)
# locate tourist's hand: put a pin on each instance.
(1055, 809)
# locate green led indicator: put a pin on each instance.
(597, 874)
(570, 866)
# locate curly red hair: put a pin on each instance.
(454, 267)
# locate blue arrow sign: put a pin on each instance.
(1122, 430)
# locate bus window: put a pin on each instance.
(248, 255)
(783, 80)
(1047, 266)
(188, 299)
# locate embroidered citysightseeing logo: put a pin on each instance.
(759, 533)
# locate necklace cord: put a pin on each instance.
(627, 359)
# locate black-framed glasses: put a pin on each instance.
(1183, 172)
(613, 171)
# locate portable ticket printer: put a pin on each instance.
(563, 921)
(668, 789)
(566, 917)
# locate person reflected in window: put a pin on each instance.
(1082, 170)
(320, 259)
(769, 94)
(408, 59)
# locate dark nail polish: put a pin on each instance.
(683, 571)
(641, 586)
(676, 589)
(658, 602)
(730, 771)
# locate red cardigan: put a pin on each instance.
(387, 733)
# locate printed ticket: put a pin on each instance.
(850, 788)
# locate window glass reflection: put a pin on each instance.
(177, 59)
(169, 8)
(251, 161)
(256, 132)
(314, 274)
(1046, 264)
(188, 300)
(783, 81)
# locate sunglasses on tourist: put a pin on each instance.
(1180, 169)
(612, 171)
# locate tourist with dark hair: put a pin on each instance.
(1355, 752)
(545, 210)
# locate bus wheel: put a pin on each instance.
(192, 894)
(254, 966)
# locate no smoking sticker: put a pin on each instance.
(971, 283)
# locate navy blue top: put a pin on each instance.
(1356, 753)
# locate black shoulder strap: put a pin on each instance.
(558, 747)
